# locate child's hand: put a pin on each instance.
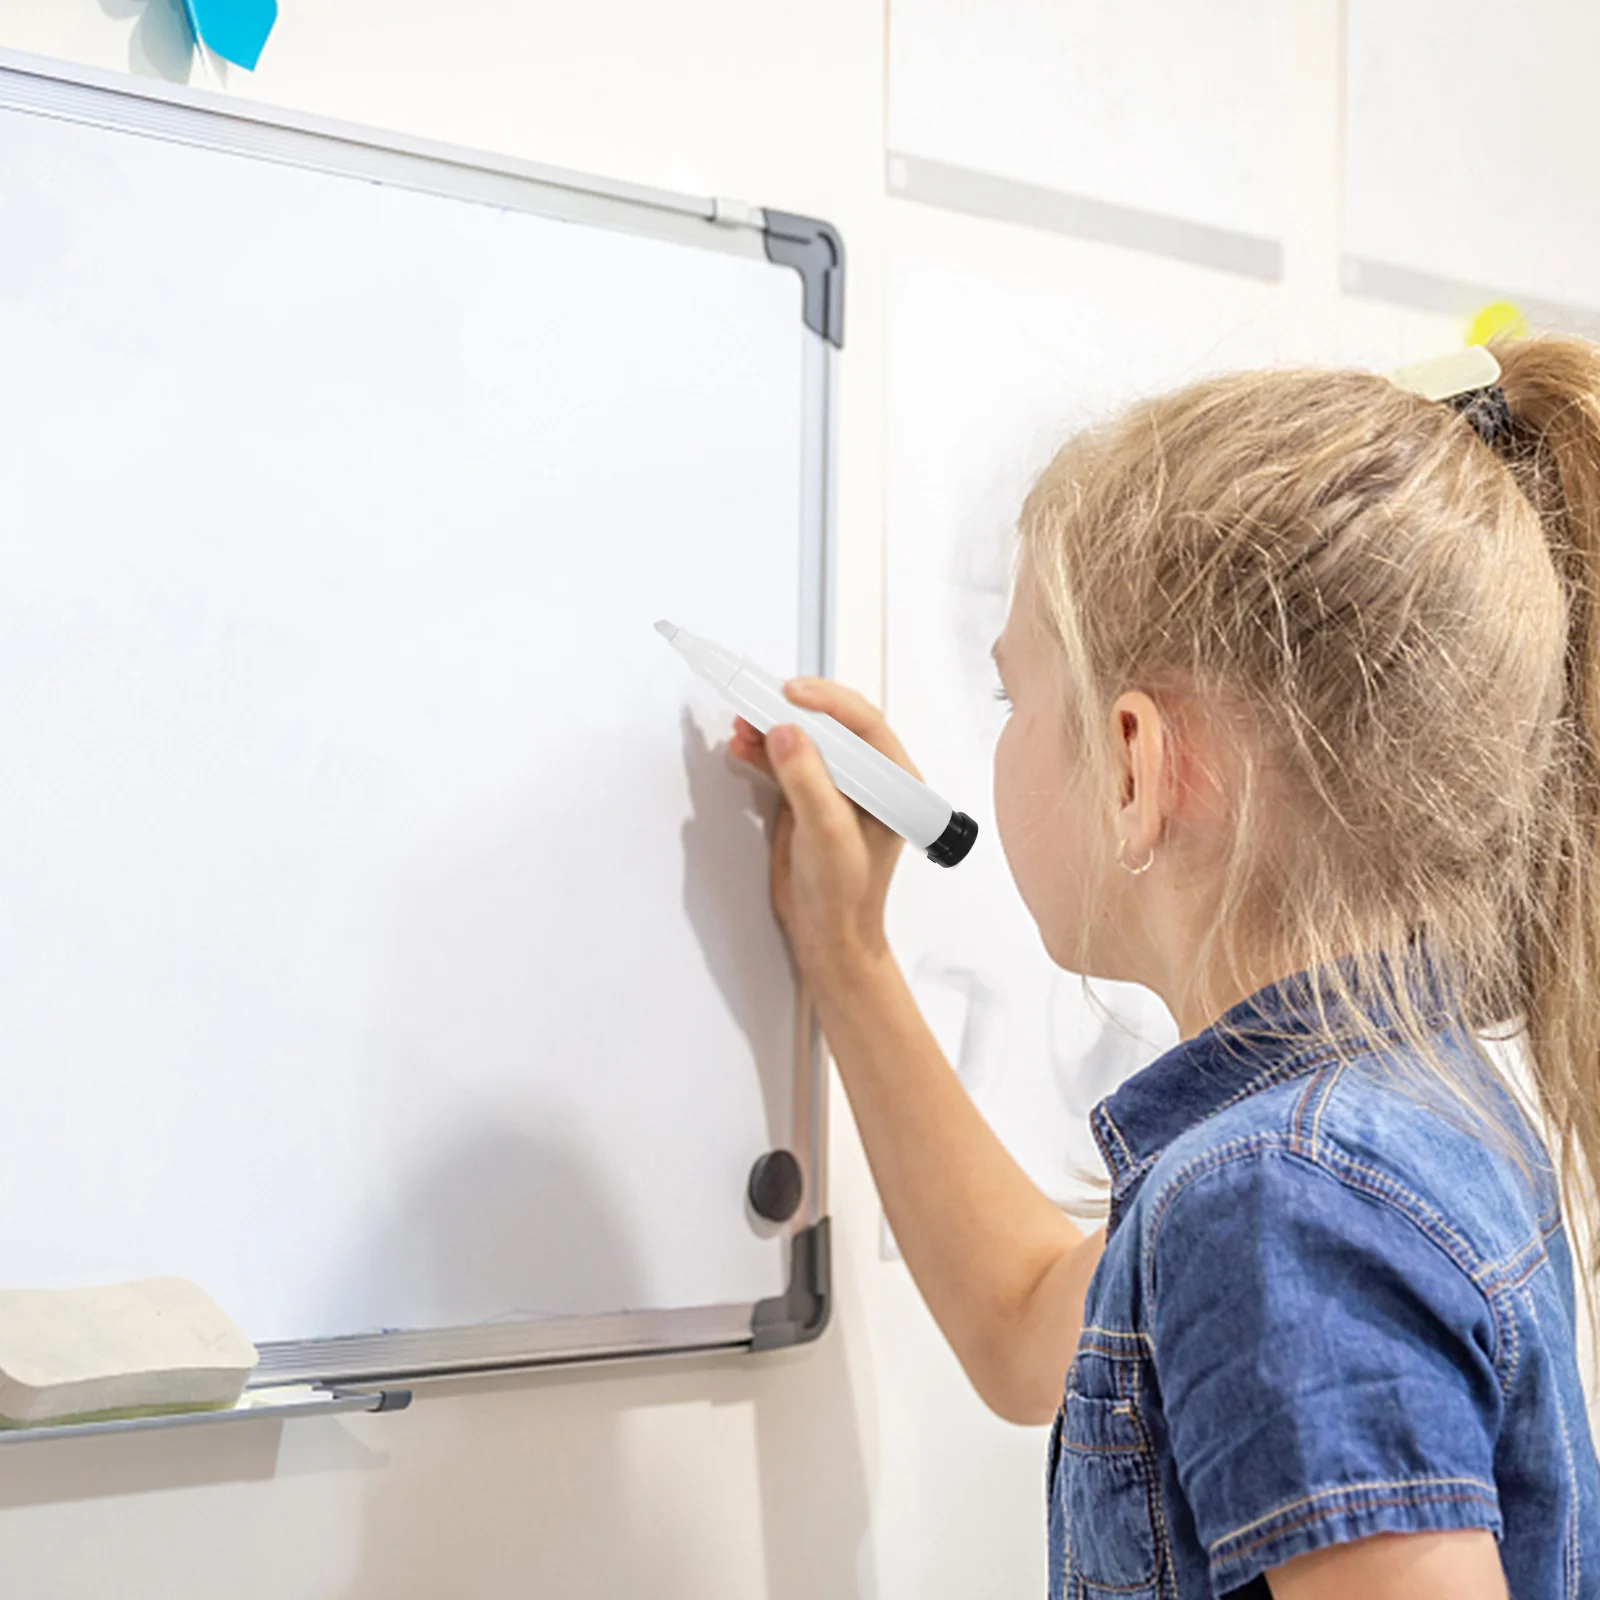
(831, 861)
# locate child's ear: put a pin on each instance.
(1144, 754)
(1127, 729)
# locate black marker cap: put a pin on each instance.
(953, 844)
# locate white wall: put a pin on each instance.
(857, 1468)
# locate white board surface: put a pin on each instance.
(1167, 106)
(988, 374)
(1470, 144)
(384, 939)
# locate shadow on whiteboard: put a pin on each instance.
(503, 1223)
(728, 900)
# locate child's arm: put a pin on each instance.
(1461, 1565)
(1001, 1268)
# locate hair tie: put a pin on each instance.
(1486, 411)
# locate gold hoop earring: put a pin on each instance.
(1122, 844)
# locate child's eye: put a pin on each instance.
(1002, 697)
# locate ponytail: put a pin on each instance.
(1552, 389)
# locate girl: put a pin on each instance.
(1305, 737)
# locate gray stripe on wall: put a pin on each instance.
(1423, 291)
(983, 194)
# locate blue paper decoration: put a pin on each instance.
(236, 30)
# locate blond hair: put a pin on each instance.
(1394, 625)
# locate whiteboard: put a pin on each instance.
(1145, 115)
(385, 940)
(1469, 132)
(989, 372)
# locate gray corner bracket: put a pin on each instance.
(815, 250)
(801, 1313)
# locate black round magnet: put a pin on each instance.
(775, 1187)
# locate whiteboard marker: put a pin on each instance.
(867, 776)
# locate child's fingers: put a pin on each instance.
(819, 808)
(854, 711)
(756, 759)
(747, 745)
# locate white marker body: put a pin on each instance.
(867, 776)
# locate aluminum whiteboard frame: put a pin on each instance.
(71, 93)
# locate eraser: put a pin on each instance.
(157, 1345)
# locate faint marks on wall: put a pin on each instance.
(1096, 1036)
(967, 1015)
(1099, 1035)
(982, 560)
(980, 591)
